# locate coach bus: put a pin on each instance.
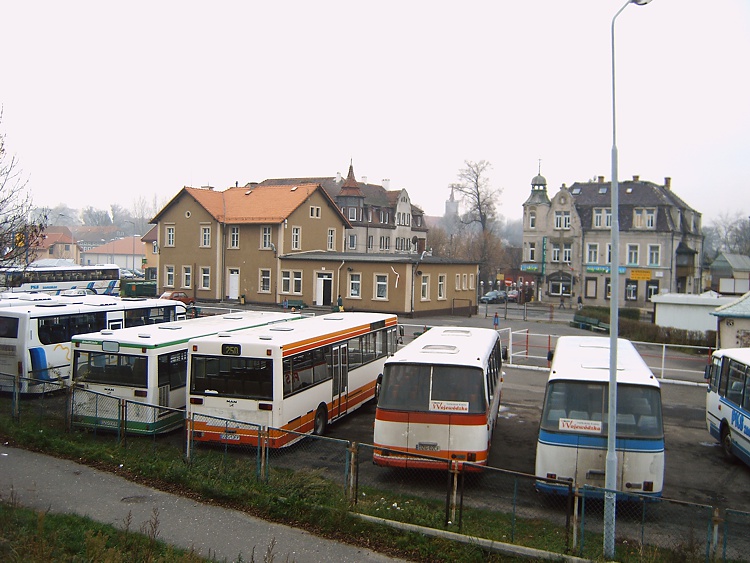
(439, 400)
(728, 401)
(102, 279)
(572, 444)
(292, 379)
(35, 337)
(146, 365)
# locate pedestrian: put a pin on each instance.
(495, 321)
(340, 303)
(580, 303)
(562, 302)
(285, 304)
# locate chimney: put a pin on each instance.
(667, 183)
(601, 179)
(338, 177)
(636, 178)
(387, 183)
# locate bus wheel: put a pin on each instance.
(321, 421)
(726, 443)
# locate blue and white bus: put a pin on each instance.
(53, 279)
(572, 444)
(35, 336)
(728, 401)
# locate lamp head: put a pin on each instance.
(640, 2)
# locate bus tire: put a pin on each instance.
(726, 443)
(320, 421)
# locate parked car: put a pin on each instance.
(513, 295)
(178, 296)
(494, 296)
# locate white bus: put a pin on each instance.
(146, 365)
(35, 337)
(103, 279)
(294, 377)
(728, 401)
(572, 444)
(439, 400)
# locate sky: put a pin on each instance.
(110, 102)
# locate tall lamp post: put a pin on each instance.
(610, 483)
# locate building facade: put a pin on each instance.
(273, 242)
(381, 220)
(567, 248)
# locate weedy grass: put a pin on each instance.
(304, 498)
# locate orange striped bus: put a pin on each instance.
(439, 399)
(290, 380)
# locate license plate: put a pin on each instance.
(428, 447)
(234, 437)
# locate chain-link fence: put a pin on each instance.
(488, 503)
(32, 397)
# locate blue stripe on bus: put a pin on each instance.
(567, 439)
(739, 450)
(39, 364)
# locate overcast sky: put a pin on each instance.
(107, 102)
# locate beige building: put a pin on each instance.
(58, 243)
(273, 242)
(567, 250)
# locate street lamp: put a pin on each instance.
(610, 482)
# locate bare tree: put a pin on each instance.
(20, 235)
(730, 233)
(479, 200)
(96, 217)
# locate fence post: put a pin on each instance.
(663, 359)
(17, 395)
(352, 470)
(189, 437)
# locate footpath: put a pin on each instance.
(41, 482)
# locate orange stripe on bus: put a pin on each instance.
(431, 418)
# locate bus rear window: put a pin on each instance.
(110, 369)
(250, 378)
(8, 327)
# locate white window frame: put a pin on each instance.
(458, 282)
(355, 286)
(187, 277)
(380, 283)
(532, 219)
(650, 218)
(296, 238)
(286, 281)
(265, 237)
(234, 237)
(425, 287)
(297, 282)
(205, 277)
(442, 278)
(331, 241)
(654, 254)
(567, 253)
(592, 253)
(205, 241)
(555, 252)
(352, 213)
(264, 277)
(168, 276)
(314, 212)
(169, 236)
(608, 218)
(566, 220)
(352, 238)
(558, 220)
(633, 254)
(532, 252)
(464, 281)
(598, 216)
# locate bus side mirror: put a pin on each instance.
(504, 353)
(550, 355)
(707, 373)
(400, 330)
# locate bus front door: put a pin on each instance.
(340, 365)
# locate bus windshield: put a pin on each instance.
(425, 388)
(250, 378)
(581, 407)
(110, 369)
